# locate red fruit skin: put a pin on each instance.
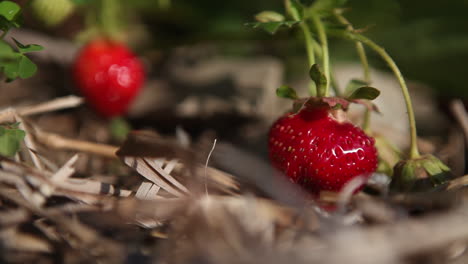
(108, 75)
(319, 153)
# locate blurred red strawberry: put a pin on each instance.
(108, 75)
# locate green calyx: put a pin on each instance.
(420, 174)
(356, 92)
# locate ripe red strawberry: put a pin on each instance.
(108, 75)
(318, 152)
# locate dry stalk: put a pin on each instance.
(461, 115)
(62, 143)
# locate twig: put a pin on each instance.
(460, 114)
(29, 142)
(206, 166)
(53, 105)
(7, 115)
(59, 142)
(66, 170)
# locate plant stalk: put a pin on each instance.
(414, 152)
(359, 46)
(108, 17)
(324, 46)
(364, 62)
(309, 40)
(310, 53)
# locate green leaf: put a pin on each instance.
(295, 9)
(10, 139)
(319, 79)
(272, 27)
(27, 48)
(286, 92)
(432, 167)
(10, 69)
(6, 25)
(26, 68)
(21, 67)
(6, 52)
(269, 16)
(9, 10)
(366, 92)
(353, 85)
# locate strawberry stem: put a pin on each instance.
(364, 62)
(324, 46)
(414, 152)
(319, 54)
(309, 40)
(359, 46)
(310, 53)
(108, 18)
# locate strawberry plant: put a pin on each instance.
(106, 72)
(14, 64)
(314, 145)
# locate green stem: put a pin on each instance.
(333, 83)
(309, 40)
(359, 46)
(414, 152)
(364, 62)
(317, 49)
(309, 43)
(366, 121)
(108, 17)
(365, 65)
(324, 44)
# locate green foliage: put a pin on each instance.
(358, 89)
(10, 139)
(9, 10)
(319, 79)
(366, 92)
(14, 63)
(272, 27)
(286, 92)
(269, 16)
(353, 85)
(295, 9)
(27, 48)
(9, 15)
